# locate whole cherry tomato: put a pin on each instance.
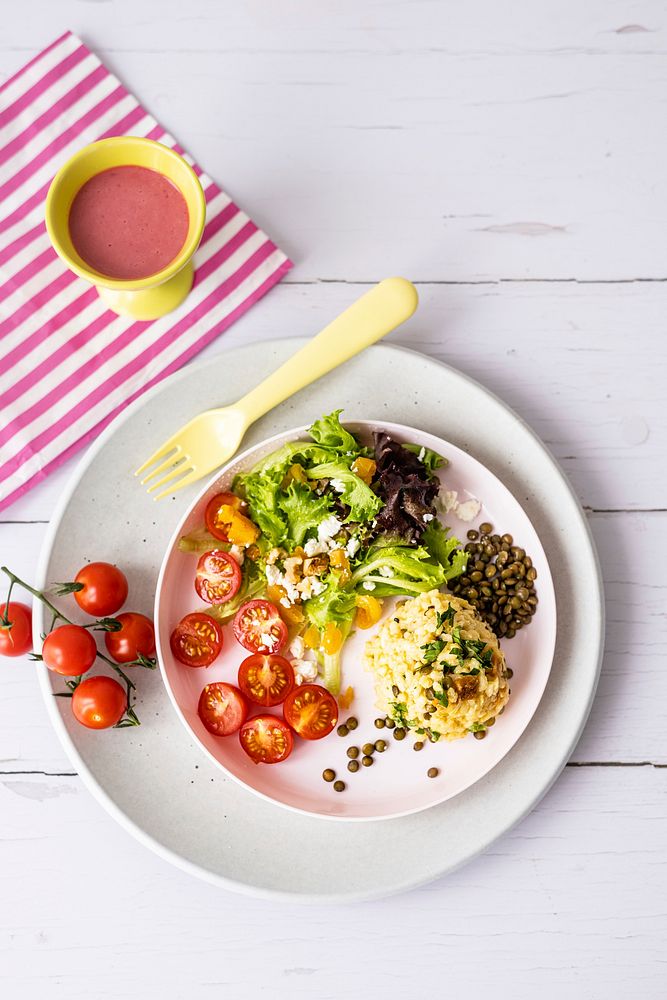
(69, 650)
(136, 636)
(104, 589)
(99, 702)
(17, 640)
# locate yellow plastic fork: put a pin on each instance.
(213, 437)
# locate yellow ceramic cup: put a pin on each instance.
(143, 298)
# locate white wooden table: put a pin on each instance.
(509, 158)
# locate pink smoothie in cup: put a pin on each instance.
(128, 222)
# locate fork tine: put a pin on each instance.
(163, 466)
(188, 478)
(163, 450)
(178, 470)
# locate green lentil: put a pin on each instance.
(433, 772)
(353, 765)
(399, 734)
(352, 752)
(328, 774)
(380, 746)
(339, 786)
(367, 761)
(351, 723)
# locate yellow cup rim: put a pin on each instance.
(122, 284)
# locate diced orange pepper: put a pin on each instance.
(242, 531)
(311, 637)
(299, 552)
(346, 697)
(338, 559)
(293, 615)
(364, 468)
(332, 639)
(295, 473)
(369, 610)
(275, 593)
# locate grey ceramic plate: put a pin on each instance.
(157, 783)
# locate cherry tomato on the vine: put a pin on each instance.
(99, 702)
(104, 589)
(69, 650)
(136, 635)
(17, 640)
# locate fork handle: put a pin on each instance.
(376, 313)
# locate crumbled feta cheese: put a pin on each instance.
(368, 585)
(238, 553)
(422, 452)
(427, 517)
(385, 571)
(447, 500)
(313, 547)
(329, 527)
(304, 670)
(353, 547)
(285, 601)
(297, 647)
(337, 485)
(273, 575)
(468, 510)
(309, 587)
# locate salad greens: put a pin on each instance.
(340, 521)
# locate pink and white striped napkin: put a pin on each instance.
(67, 364)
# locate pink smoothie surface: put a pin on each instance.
(128, 222)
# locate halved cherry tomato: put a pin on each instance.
(259, 628)
(196, 640)
(266, 739)
(69, 650)
(311, 711)
(17, 640)
(216, 524)
(218, 577)
(136, 636)
(99, 702)
(104, 589)
(222, 708)
(266, 679)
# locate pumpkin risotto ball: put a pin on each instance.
(438, 668)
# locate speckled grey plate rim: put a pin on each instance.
(587, 675)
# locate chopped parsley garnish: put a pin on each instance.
(441, 696)
(432, 650)
(399, 712)
(445, 617)
(477, 727)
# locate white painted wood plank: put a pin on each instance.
(409, 137)
(571, 901)
(630, 713)
(577, 362)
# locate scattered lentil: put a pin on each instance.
(339, 786)
(343, 730)
(433, 772)
(328, 774)
(399, 734)
(380, 746)
(353, 752)
(367, 761)
(353, 765)
(418, 745)
(379, 723)
(351, 723)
